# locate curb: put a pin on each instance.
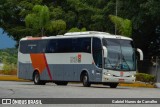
(11, 78)
(136, 84)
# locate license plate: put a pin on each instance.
(121, 80)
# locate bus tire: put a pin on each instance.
(36, 79)
(42, 83)
(113, 85)
(61, 83)
(85, 80)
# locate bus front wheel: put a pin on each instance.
(113, 85)
(85, 80)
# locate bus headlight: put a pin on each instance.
(108, 74)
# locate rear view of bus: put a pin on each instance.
(89, 57)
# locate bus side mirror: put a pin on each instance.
(104, 52)
(140, 53)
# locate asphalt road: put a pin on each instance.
(10, 89)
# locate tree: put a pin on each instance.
(57, 26)
(91, 14)
(77, 30)
(12, 21)
(40, 20)
(9, 59)
(124, 26)
(146, 21)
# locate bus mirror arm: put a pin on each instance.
(104, 52)
(140, 53)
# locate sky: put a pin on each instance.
(6, 41)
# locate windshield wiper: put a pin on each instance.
(125, 62)
(110, 63)
(118, 62)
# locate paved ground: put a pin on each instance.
(9, 89)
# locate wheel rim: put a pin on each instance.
(85, 79)
(36, 79)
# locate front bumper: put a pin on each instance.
(118, 79)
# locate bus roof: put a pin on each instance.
(79, 35)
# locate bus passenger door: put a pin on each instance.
(97, 57)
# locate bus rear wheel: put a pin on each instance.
(36, 79)
(85, 80)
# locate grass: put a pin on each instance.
(12, 72)
(138, 84)
(10, 78)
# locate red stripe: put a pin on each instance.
(48, 70)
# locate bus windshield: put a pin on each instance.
(120, 56)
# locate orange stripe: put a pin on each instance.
(49, 72)
(38, 62)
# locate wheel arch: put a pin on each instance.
(36, 70)
(84, 71)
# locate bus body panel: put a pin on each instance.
(59, 69)
(61, 72)
(68, 66)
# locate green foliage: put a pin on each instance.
(83, 29)
(91, 14)
(124, 26)
(9, 58)
(57, 13)
(8, 67)
(77, 30)
(12, 21)
(145, 78)
(56, 25)
(74, 30)
(38, 19)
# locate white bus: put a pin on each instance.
(88, 57)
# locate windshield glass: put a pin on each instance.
(121, 55)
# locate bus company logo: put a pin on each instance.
(76, 59)
(121, 74)
(79, 58)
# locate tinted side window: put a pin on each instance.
(64, 45)
(33, 46)
(41, 46)
(51, 46)
(56, 45)
(86, 45)
(30, 46)
(81, 45)
(23, 46)
(97, 52)
(75, 45)
(97, 44)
